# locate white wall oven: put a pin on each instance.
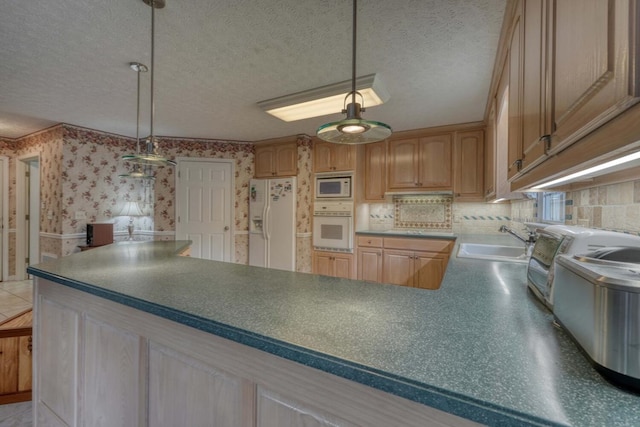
(334, 185)
(333, 225)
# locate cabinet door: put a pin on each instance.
(429, 269)
(322, 263)
(469, 166)
(594, 58)
(398, 267)
(370, 264)
(435, 162)
(403, 164)
(375, 177)
(514, 151)
(25, 363)
(286, 159)
(8, 365)
(265, 162)
(343, 157)
(322, 157)
(274, 410)
(536, 106)
(490, 154)
(343, 266)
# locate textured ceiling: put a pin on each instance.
(67, 61)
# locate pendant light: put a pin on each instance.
(354, 129)
(137, 171)
(151, 157)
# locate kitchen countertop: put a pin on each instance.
(480, 347)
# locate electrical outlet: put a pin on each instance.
(81, 215)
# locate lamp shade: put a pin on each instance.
(131, 209)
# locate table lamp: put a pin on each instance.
(131, 209)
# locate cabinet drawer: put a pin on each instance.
(370, 241)
(430, 245)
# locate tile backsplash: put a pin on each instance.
(436, 213)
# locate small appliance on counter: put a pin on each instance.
(559, 239)
(597, 301)
(99, 234)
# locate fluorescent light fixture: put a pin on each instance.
(325, 100)
(610, 166)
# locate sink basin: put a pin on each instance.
(493, 252)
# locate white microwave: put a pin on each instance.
(333, 187)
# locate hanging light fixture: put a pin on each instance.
(151, 157)
(137, 170)
(354, 129)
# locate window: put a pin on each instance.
(551, 207)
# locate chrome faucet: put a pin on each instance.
(528, 242)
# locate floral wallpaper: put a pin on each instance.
(80, 183)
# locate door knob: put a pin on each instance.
(226, 228)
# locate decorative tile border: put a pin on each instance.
(486, 218)
(423, 212)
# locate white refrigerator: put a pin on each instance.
(272, 223)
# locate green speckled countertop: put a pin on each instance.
(480, 347)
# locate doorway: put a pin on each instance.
(205, 208)
(27, 214)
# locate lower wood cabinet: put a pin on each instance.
(99, 363)
(15, 358)
(335, 264)
(416, 269)
(418, 263)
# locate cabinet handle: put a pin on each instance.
(517, 164)
(547, 143)
(369, 241)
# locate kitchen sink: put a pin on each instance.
(493, 252)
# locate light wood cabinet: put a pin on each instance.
(370, 258)
(594, 64)
(514, 71)
(333, 264)
(330, 157)
(276, 160)
(490, 145)
(468, 165)
(572, 68)
(416, 269)
(420, 163)
(16, 358)
(375, 171)
(100, 363)
(419, 263)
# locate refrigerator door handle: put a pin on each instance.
(265, 225)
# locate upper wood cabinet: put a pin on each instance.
(330, 157)
(572, 67)
(594, 64)
(468, 165)
(422, 163)
(276, 160)
(490, 144)
(375, 171)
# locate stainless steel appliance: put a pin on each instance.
(597, 301)
(554, 240)
(333, 225)
(334, 185)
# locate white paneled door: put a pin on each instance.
(204, 208)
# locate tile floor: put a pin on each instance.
(15, 297)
